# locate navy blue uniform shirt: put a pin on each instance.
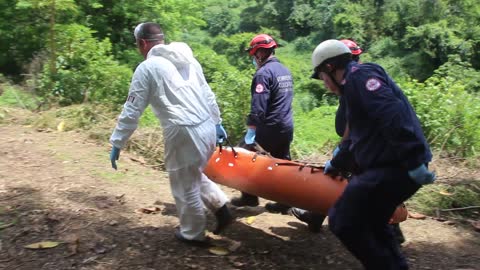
(384, 129)
(341, 117)
(272, 95)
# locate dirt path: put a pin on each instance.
(60, 187)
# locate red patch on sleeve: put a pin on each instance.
(259, 88)
(373, 84)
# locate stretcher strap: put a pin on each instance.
(313, 168)
(231, 146)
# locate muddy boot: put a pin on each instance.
(277, 208)
(397, 232)
(245, 200)
(197, 243)
(224, 218)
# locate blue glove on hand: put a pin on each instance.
(329, 169)
(422, 175)
(221, 134)
(250, 136)
(335, 152)
(114, 155)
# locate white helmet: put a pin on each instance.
(328, 49)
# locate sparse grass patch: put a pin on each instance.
(15, 97)
(314, 132)
(148, 119)
(431, 198)
(73, 117)
(108, 175)
(148, 143)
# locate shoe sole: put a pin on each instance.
(196, 243)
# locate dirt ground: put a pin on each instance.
(58, 186)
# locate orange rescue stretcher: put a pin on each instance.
(289, 182)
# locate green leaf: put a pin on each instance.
(43, 245)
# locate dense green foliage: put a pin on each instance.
(71, 52)
(449, 115)
(85, 70)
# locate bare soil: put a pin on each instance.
(59, 186)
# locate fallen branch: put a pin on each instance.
(11, 197)
(460, 208)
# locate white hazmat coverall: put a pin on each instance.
(171, 80)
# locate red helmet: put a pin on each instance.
(261, 41)
(356, 50)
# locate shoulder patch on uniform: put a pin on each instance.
(373, 84)
(353, 69)
(259, 88)
(131, 99)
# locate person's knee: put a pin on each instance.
(339, 226)
(342, 226)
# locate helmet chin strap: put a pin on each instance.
(332, 77)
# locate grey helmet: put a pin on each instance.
(328, 49)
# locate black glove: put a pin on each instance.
(344, 161)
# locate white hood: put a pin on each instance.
(178, 53)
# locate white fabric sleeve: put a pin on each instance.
(137, 101)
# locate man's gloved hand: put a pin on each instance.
(329, 169)
(221, 134)
(250, 136)
(335, 152)
(421, 175)
(114, 155)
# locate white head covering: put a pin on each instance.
(138, 33)
(137, 30)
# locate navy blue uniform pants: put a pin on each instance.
(360, 216)
(276, 142)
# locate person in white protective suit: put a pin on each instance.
(171, 80)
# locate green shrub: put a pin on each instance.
(450, 116)
(85, 70)
(232, 89)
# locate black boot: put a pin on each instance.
(316, 224)
(397, 232)
(277, 208)
(245, 200)
(224, 218)
(313, 220)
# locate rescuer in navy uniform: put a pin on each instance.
(270, 121)
(389, 151)
(315, 220)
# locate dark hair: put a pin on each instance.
(150, 31)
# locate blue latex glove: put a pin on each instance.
(329, 169)
(335, 152)
(221, 134)
(114, 155)
(250, 136)
(421, 175)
